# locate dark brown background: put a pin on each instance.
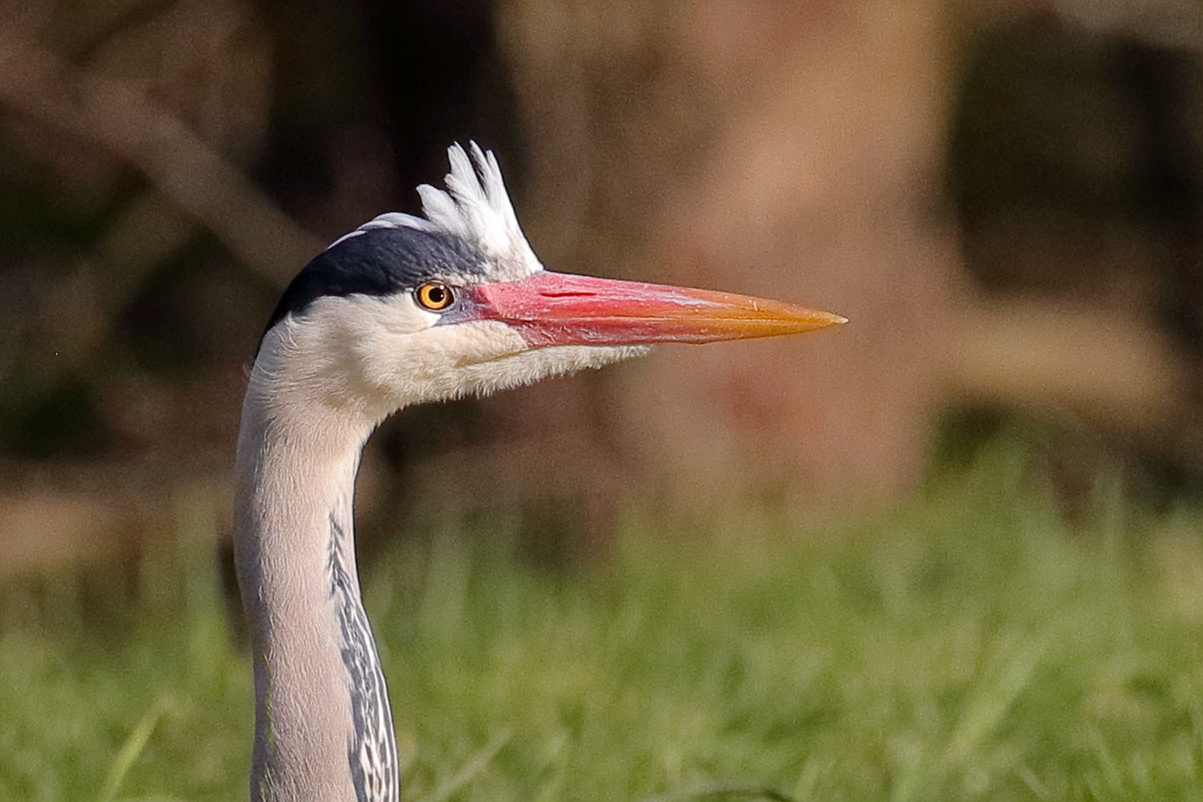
(1007, 203)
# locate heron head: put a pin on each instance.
(406, 309)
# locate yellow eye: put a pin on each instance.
(435, 296)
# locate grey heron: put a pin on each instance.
(403, 310)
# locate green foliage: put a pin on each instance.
(968, 645)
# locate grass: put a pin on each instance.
(967, 645)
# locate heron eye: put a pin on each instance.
(435, 296)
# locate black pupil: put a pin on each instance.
(436, 295)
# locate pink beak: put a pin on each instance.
(567, 309)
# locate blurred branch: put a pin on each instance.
(1075, 362)
(38, 85)
(1110, 367)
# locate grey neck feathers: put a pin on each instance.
(323, 728)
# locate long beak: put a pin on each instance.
(566, 309)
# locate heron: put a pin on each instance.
(403, 310)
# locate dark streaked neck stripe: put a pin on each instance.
(372, 747)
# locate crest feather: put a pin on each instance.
(476, 206)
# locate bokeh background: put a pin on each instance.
(1005, 197)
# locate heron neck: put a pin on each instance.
(323, 728)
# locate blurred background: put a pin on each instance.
(1006, 198)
